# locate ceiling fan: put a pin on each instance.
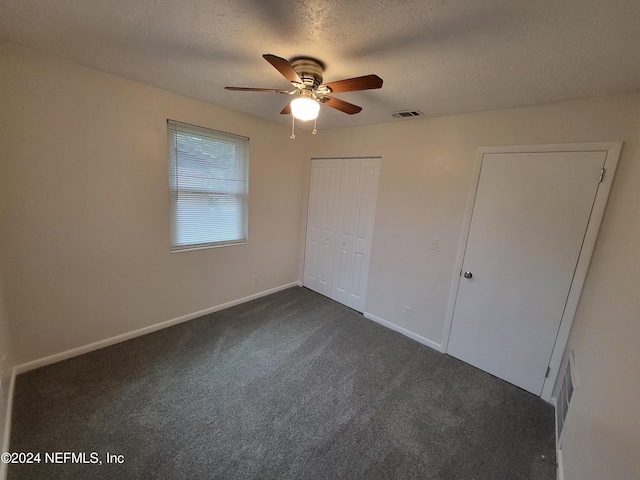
(305, 74)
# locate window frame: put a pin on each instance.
(241, 194)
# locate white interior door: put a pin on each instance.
(342, 199)
(529, 220)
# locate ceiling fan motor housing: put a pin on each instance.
(309, 70)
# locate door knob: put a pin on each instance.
(468, 274)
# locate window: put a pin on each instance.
(208, 183)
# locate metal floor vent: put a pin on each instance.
(564, 397)
(407, 114)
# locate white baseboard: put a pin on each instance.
(403, 331)
(74, 352)
(7, 423)
(560, 472)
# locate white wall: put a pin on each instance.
(426, 170)
(424, 182)
(84, 195)
(603, 424)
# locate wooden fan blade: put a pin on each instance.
(368, 82)
(249, 89)
(286, 110)
(341, 105)
(284, 67)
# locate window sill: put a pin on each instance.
(205, 247)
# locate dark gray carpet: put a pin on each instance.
(289, 386)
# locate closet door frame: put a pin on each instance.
(356, 206)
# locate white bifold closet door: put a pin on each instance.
(342, 202)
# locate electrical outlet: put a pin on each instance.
(434, 244)
(407, 311)
(255, 279)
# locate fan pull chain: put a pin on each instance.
(293, 127)
(315, 121)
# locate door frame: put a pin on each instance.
(612, 150)
(306, 216)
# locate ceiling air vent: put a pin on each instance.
(407, 114)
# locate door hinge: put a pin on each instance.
(601, 175)
(546, 375)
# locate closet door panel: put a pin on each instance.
(322, 225)
(363, 235)
(347, 216)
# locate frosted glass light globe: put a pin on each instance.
(304, 108)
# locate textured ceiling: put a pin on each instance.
(441, 57)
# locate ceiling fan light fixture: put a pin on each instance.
(305, 75)
(305, 108)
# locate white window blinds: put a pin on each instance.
(208, 184)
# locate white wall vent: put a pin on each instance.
(565, 394)
(407, 114)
